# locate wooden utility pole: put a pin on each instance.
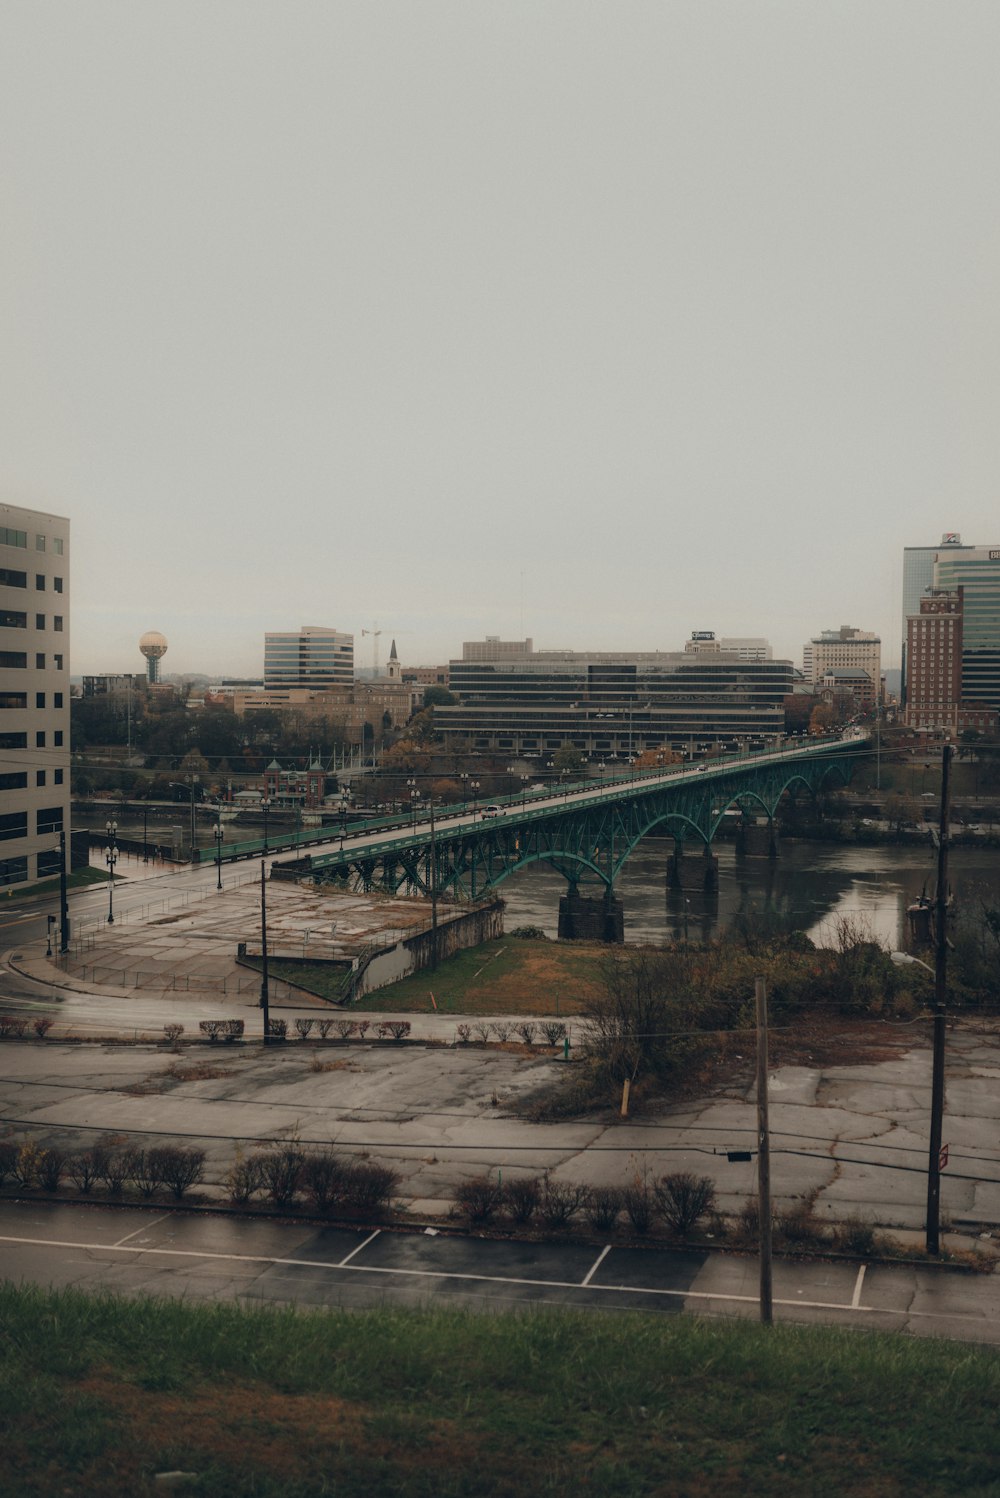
(763, 1156)
(940, 1004)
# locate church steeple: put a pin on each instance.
(394, 669)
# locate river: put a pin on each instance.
(809, 886)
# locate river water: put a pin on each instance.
(809, 886)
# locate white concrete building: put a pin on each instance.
(843, 649)
(34, 693)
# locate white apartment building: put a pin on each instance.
(34, 693)
(843, 649)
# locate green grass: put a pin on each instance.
(327, 980)
(77, 880)
(508, 976)
(100, 1394)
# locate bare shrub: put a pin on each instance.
(324, 1177)
(281, 1173)
(172, 1034)
(12, 1027)
(639, 1202)
(42, 1026)
(479, 1198)
(345, 1028)
(243, 1178)
(682, 1199)
(482, 1032)
(304, 1027)
(521, 1198)
(369, 1187)
(526, 1029)
(394, 1029)
(799, 1225)
(501, 1030)
(26, 1163)
(559, 1201)
(115, 1168)
(604, 1204)
(324, 1026)
(364, 1025)
(277, 1029)
(51, 1166)
(856, 1235)
(144, 1171)
(463, 1033)
(211, 1027)
(8, 1158)
(553, 1030)
(179, 1167)
(82, 1170)
(232, 1029)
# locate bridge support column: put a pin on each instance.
(591, 918)
(675, 863)
(710, 873)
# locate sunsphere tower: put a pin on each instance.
(153, 646)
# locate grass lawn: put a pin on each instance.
(508, 976)
(77, 880)
(99, 1395)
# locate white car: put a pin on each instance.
(492, 811)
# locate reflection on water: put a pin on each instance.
(808, 887)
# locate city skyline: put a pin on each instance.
(598, 325)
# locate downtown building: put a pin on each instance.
(853, 655)
(34, 694)
(309, 658)
(953, 646)
(611, 704)
(918, 576)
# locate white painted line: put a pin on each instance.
(370, 1239)
(856, 1298)
(122, 1241)
(596, 1264)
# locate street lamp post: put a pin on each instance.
(218, 832)
(48, 935)
(264, 993)
(63, 901)
(145, 829)
(111, 858)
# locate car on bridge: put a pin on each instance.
(492, 811)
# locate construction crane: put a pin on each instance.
(374, 632)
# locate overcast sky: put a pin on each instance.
(598, 323)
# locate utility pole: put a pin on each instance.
(763, 1157)
(940, 1003)
(63, 902)
(434, 895)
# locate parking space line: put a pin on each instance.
(596, 1265)
(709, 1296)
(370, 1239)
(856, 1298)
(122, 1241)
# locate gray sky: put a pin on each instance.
(598, 323)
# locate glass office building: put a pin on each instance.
(308, 657)
(976, 570)
(918, 576)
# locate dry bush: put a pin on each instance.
(604, 1204)
(369, 1187)
(560, 1201)
(324, 1177)
(479, 1198)
(42, 1026)
(682, 1199)
(243, 1178)
(521, 1197)
(281, 1173)
(51, 1167)
(179, 1166)
(304, 1027)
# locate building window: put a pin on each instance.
(13, 870)
(39, 621)
(13, 699)
(39, 582)
(57, 584)
(13, 824)
(39, 699)
(48, 819)
(40, 739)
(49, 862)
(13, 741)
(10, 619)
(57, 623)
(57, 738)
(12, 579)
(57, 699)
(39, 661)
(14, 781)
(14, 660)
(59, 777)
(39, 777)
(57, 662)
(57, 545)
(12, 538)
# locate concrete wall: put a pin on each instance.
(413, 954)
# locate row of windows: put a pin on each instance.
(20, 699)
(16, 619)
(9, 537)
(12, 579)
(14, 824)
(17, 660)
(20, 740)
(17, 780)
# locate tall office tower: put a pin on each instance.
(34, 693)
(918, 576)
(308, 657)
(976, 570)
(845, 649)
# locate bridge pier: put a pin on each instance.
(591, 918)
(681, 875)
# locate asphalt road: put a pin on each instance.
(215, 1257)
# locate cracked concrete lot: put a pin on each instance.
(851, 1138)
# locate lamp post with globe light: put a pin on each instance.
(111, 858)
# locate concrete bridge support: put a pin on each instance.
(757, 840)
(591, 918)
(692, 873)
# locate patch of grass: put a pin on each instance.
(79, 879)
(101, 1393)
(327, 980)
(507, 976)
